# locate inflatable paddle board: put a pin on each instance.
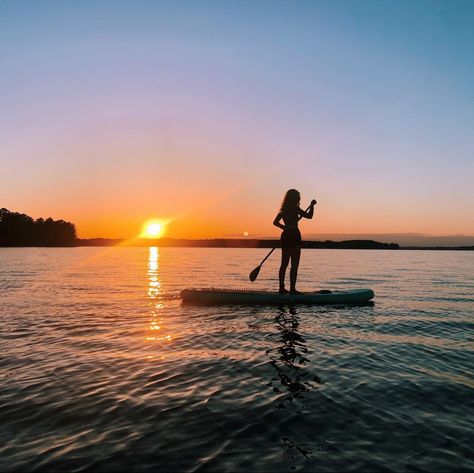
(244, 296)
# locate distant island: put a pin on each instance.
(20, 230)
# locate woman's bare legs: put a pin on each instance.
(285, 259)
(292, 253)
(295, 262)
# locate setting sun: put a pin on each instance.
(153, 229)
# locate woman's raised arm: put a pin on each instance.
(307, 214)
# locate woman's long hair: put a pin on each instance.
(291, 201)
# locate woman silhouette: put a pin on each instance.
(291, 213)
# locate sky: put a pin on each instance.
(203, 113)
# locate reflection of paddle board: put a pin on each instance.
(244, 296)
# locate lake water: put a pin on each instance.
(103, 369)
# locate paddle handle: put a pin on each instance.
(266, 257)
(307, 210)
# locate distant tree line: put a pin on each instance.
(351, 245)
(241, 243)
(18, 229)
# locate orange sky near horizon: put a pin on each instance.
(230, 217)
(219, 189)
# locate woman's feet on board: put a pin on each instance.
(294, 292)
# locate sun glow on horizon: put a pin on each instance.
(153, 229)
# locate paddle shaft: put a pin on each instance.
(273, 249)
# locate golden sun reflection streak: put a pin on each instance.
(154, 292)
(154, 284)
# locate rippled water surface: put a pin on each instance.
(103, 368)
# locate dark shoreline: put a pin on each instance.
(239, 243)
(243, 243)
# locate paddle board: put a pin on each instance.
(245, 296)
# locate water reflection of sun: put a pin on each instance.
(154, 283)
(154, 293)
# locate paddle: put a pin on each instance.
(253, 275)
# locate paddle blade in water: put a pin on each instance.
(253, 275)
